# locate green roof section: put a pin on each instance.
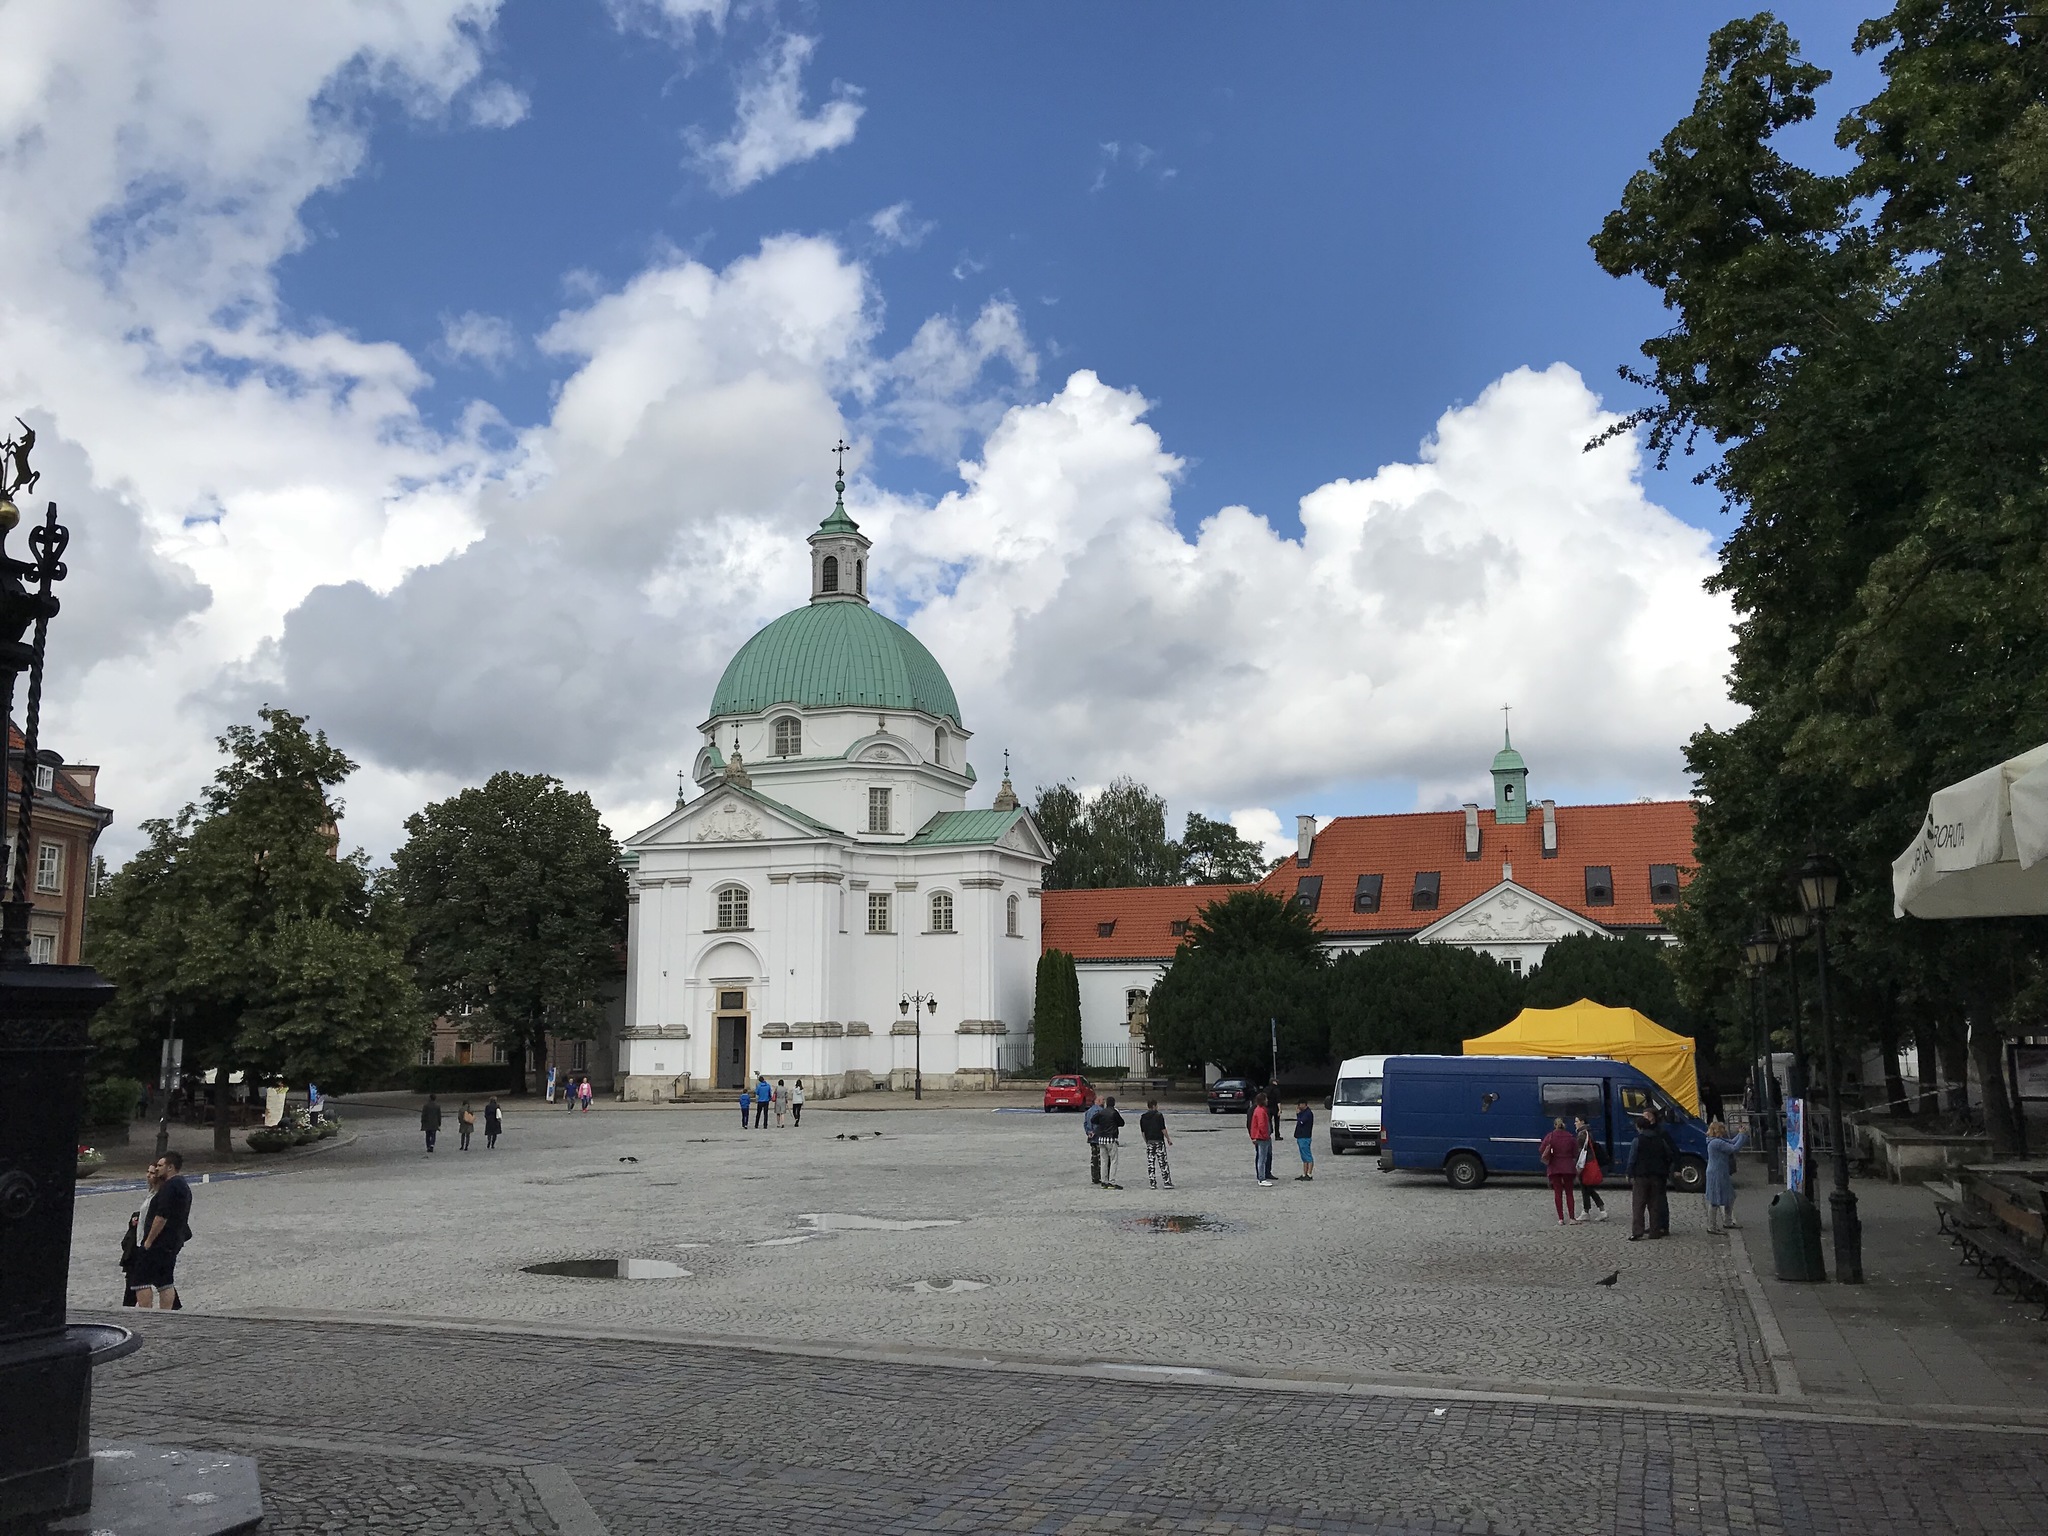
(953, 827)
(828, 654)
(837, 521)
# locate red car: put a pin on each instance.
(1068, 1093)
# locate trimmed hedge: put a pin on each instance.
(112, 1101)
(476, 1078)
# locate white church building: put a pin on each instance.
(830, 909)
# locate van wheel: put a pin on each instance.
(1464, 1171)
(1690, 1176)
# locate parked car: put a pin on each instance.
(1355, 1106)
(1068, 1092)
(1232, 1094)
(1470, 1117)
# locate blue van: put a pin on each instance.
(1469, 1117)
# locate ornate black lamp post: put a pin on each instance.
(1819, 881)
(1791, 928)
(909, 1009)
(45, 1365)
(1760, 950)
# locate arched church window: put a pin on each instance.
(1016, 932)
(939, 747)
(789, 738)
(732, 907)
(860, 577)
(829, 581)
(942, 911)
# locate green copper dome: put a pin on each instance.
(1507, 759)
(835, 653)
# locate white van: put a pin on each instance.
(1355, 1106)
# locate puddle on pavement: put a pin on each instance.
(943, 1285)
(610, 1269)
(825, 1223)
(1176, 1224)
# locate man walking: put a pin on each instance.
(494, 1122)
(1305, 1142)
(1649, 1165)
(762, 1093)
(1152, 1126)
(1088, 1116)
(1107, 1123)
(163, 1229)
(430, 1120)
(1261, 1132)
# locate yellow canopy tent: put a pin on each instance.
(1588, 1029)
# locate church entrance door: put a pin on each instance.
(732, 1050)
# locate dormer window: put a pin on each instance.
(1428, 883)
(1367, 897)
(828, 578)
(1663, 885)
(1599, 885)
(1308, 891)
(1105, 930)
(789, 738)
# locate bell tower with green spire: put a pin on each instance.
(839, 550)
(1510, 781)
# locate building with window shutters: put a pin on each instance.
(831, 868)
(1508, 880)
(68, 823)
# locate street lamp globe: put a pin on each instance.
(1791, 927)
(904, 1007)
(1761, 948)
(1818, 880)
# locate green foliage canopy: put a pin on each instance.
(238, 928)
(516, 906)
(1249, 964)
(1056, 1014)
(1633, 971)
(1409, 998)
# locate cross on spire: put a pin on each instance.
(839, 453)
(1506, 740)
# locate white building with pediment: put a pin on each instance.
(830, 909)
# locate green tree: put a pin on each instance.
(1249, 968)
(238, 928)
(1117, 838)
(1056, 1014)
(1863, 350)
(1215, 853)
(1633, 971)
(1410, 998)
(516, 904)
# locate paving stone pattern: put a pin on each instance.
(1358, 1273)
(420, 1430)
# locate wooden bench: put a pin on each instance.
(2002, 1256)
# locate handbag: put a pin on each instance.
(1589, 1172)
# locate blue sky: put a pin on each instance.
(463, 374)
(1319, 226)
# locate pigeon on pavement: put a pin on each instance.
(1610, 1279)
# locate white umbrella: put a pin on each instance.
(1983, 849)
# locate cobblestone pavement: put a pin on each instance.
(379, 1428)
(1357, 1274)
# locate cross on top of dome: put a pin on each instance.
(839, 550)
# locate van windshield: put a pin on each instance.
(1358, 1090)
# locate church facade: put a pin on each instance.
(830, 909)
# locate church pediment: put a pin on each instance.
(1508, 914)
(729, 815)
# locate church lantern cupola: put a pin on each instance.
(839, 550)
(1510, 784)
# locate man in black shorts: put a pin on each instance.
(161, 1233)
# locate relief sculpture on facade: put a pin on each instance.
(730, 823)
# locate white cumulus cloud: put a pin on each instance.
(896, 227)
(497, 105)
(772, 130)
(474, 337)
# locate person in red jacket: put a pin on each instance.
(1261, 1129)
(1560, 1153)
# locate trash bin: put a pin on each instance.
(1795, 1237)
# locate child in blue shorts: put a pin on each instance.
(1305, 1142)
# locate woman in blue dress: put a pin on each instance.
(1721, 1150)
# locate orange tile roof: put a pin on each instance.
(67, 790)
(1628, 839)
(1142, 917)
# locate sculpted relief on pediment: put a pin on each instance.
(1508, 919)
(731, 822)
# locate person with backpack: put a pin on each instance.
(1152, 1126)
(1107, 1123)
(1260, 1129)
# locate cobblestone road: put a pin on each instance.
(1358, 1274)
(388, 1429)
